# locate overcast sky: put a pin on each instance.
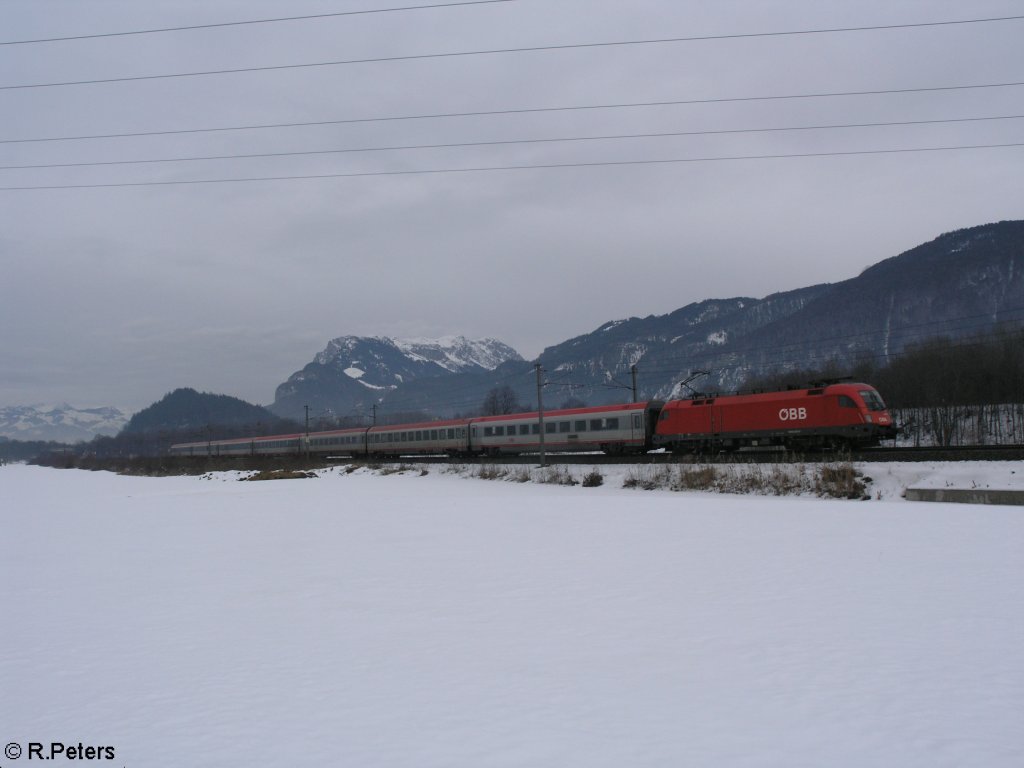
(114, 295)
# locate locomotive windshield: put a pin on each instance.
(872, 400)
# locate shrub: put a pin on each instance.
(521, 474)
(648, 478)
(490, 472)
(556, 475)
(696, 478)
(841, 481)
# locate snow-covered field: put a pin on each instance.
(406, 620)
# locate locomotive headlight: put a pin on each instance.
(867, 417)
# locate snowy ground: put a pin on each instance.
(405, 620)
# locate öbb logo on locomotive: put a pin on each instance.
(827, 416)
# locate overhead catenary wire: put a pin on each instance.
(307, 17)
(503, 51)
(514, 111)
(499, 168)
(507, 142)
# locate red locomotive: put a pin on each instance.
(829, 416)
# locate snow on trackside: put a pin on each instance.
(359, 618)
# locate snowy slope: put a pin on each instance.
(362, 620)
(457, 353)
(63, 423)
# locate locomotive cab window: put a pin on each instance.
(872, 400)
(846, 402)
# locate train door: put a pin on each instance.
(637, 430)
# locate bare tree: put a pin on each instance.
(499, 401)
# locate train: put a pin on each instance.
(826, 416)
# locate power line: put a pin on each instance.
(527, 110)
(505, 142)
(496, 51)
(251, 21)
(544, 166)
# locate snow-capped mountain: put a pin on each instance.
(63, 423)
(457, 353)
(354, 372)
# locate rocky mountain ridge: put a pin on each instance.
(353, 373)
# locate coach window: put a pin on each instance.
(596, 425)
(524, 429)
(612, 423)
(581, 425)
(433, 434)
(549, 427)
(499, 431)
(488, 431)
(564, 426)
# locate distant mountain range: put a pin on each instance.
(962, 284)
(62, 423)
